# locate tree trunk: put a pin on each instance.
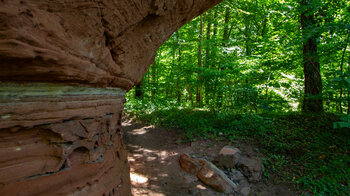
(178, 90)
(207, 57)
(139, 91)
(226, 27)
(200, 86)
(246, 33)
(312, 77)
(190, 96)
(348, 112)
(214, 55)
(224, 43)
(154, 79)
(341, 71)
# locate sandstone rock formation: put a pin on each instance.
(65, 66)
(95, 42)
(59, 140)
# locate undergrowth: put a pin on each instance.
(300, 148)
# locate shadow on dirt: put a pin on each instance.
(154, 167)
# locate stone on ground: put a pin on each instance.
(229, 156)
(245, 191)
(236, 176)
(189, 165)
(251, 167)
(210, 175)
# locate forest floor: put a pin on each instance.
(153, 157)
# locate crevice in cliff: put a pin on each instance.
(64, 166)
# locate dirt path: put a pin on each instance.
(153, 159)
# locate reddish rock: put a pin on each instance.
(62, 144)
(188, 164)
(229, 156)
(210, 175)
(100, 42)
(59, 133)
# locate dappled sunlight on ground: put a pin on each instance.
(153, 158)
(137, 178)
(154, 163)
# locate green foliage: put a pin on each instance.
(344, 123)
(230, 79)
(251, 58)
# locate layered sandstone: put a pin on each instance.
(96, 42)
(65, 66)
(59, 140)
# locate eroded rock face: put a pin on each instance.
(61, 140)
(96, 42)
(65, 66)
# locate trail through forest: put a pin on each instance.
(155, 170)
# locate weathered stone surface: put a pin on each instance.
(63, 143)
(251, 167)
(98, 42)
(229, 156)
(210, 175)
(62, 136)
(236, 176)
(245, 191)
(188, 164)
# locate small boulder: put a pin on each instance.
(236, 176)
(251, 167)
(188, 164)
(229, 156)
(245, 191)
(210, 175)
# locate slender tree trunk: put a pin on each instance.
(312, 77)
(226, 27)
(266, 87)
(224, 43)
(190, 96)
(168, 85)
(246, 33)
(154, 79)
(214, 85)
(348, 112)
(207, 56)
(139, 90)
(341, 91)
(178, 90)
(200, 86)
(341, 71)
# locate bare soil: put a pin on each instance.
(154, 168)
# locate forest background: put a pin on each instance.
(270, 72)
